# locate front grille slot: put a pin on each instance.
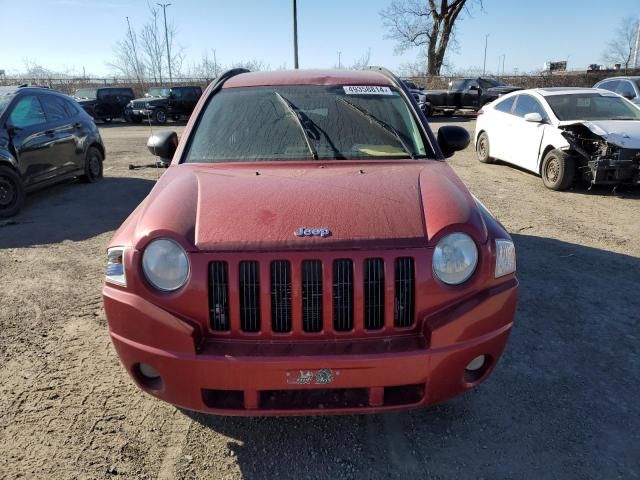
(139, 105)
(312, 295)
(373, 293)
(343, 295)
(281, 296)
(249, 296)
(219, 296)
(404, 292)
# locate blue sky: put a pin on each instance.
(72, 34)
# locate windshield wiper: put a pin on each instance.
(292, 110)
(379, 123)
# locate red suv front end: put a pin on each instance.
(325, 285)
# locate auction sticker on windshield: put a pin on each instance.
(367, 90)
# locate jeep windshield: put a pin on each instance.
(86, 93)
(306, 122)
(158, 92)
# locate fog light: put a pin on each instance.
(476, 364)
(148, 371)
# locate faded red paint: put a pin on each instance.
(249, 211)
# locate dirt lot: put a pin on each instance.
(564, 402)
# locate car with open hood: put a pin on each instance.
(563, 135)
(106, 103)
(309, 251)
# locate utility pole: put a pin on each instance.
(637, 49)
(166, 39)
(484, 65)
(295, 34)
(339, 59)
(135, 52)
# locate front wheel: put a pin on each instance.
(482, 148)
(159, 116)
(558, 170)
(93, 171)
(11, 192)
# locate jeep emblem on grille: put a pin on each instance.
(324, 376)
(312, 232)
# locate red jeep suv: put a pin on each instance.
(309, 251)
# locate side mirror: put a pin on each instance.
(453, 139)
(163, 144)
(533, 117)
(629, 97)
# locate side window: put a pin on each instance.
(71, 108)
(528, 104)
(626, 89)
(505, 105)
(54, 108)
(472, 84)
(27, 112)
(610, 85)
(178, 93)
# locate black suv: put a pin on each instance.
(45, 137)
(160, 103)
(104, 103)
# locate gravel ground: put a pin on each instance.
(563, 403)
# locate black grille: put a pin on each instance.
(312, 295)
(249, 297)
(219, 303)
(404, 292)
(139, 105)
(373, 293)
(281, 296)
(343, 295)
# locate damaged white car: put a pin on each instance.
(563, 135)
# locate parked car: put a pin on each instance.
(161, 103)
(45, 137)
(418, 94)
(311, 253)
(563, 134)
(628, 87)
(466, 93)
(104, 103)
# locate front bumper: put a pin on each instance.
(138, 112)
(233, 377)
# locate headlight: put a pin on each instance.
(505, 258)
(165, 264)
(455, 258)
(115, 266)
(147, 105)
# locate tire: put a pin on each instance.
(159, 116)
(93, 169)
(11, 192)
(483, 150)
(558, 170)
(427, 110)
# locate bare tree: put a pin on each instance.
(207, 68)
(252, 65)
(363, 62)
(621, 48)
(143, 54)
(425, 23)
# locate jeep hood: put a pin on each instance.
(621, 133)
(221, 207)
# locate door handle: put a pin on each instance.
(77, 124)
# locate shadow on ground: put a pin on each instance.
(73, 211)
(561, 404)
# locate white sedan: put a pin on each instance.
(563, 134)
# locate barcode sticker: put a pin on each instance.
(367, 90)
